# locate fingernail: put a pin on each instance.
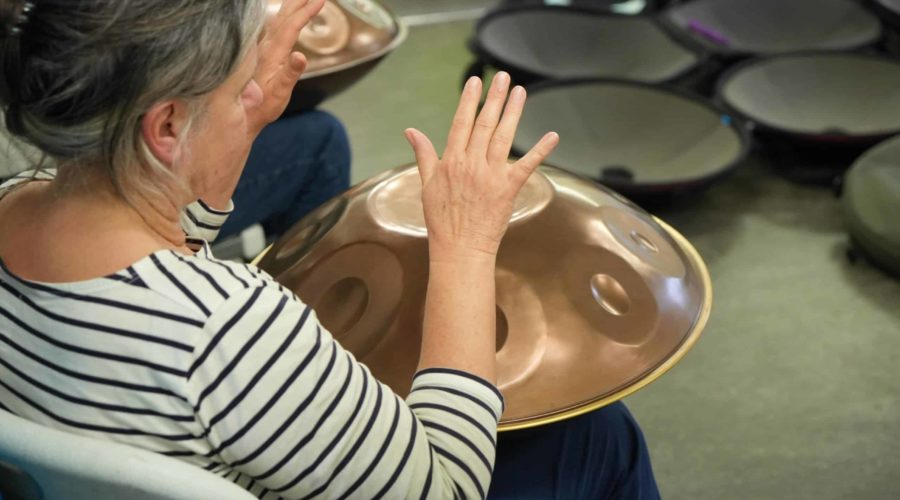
(410, 137)
(502, 78)
(471, 82)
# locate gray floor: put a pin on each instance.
(793, 391)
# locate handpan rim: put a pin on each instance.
(763, 125)
(699, 55)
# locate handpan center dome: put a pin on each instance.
(595, 297)
(397, 203)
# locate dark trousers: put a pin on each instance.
(296, 164)
(598, 455)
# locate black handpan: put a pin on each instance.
(614, 6)
(889, 11)
(636, 138)
(767, 27)
(842, 99)
(871, 205)
(534, 43)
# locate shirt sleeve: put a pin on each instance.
(200, 221)
(283, 403)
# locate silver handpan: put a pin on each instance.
(768, 27)
(595, 297)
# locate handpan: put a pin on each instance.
(342, 43)
(767, 27)
(889, 11)
(534, 43)
(871, 204)
(595, 297)
(637, 139)
(615, 6)
(822, 97)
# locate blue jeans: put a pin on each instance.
(598, 455)
(296, 164)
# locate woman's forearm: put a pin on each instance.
(460, 316)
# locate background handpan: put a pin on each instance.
(637, 139)
(536, 43)
(766, 27)
(341, 44)
(843, 99)
(889, 11)
(615, 6)
(871, 205)
(595, 298)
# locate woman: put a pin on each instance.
(116, 321)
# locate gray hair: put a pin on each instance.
(77, 77)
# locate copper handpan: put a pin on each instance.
(345, 40)
(595, 297)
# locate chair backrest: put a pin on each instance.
(38, 462)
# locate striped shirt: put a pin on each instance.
(217, 364)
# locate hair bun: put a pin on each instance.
(13, 15)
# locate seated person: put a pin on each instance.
(116, 321)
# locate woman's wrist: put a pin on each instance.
(451, 254)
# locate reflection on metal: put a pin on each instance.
(341, 44)
(595, 298)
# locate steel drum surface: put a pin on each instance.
(595, 298)
(557, 43)
(766, 27)
(635, 138)
(834, 96)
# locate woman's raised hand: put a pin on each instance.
(279, 66)
(468, 193)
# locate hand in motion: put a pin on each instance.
(280, 66)
(468, 193)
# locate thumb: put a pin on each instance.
(426, 156)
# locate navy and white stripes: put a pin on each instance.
(215, 363)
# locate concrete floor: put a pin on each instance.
(793, 391)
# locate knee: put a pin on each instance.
(614, 450)
(331, 131)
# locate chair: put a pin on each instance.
(37, 462)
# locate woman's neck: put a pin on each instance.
(96, 194)
(71, 230)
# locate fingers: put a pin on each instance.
(522, 169)
(426, 156)
(501, 142)
(486, 123)
(461, 127)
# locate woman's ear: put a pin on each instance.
(162, 128)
